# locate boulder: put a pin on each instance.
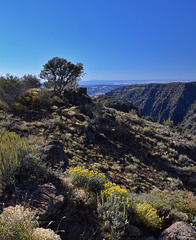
(46, 201)
(52, 153)
(178, 231)
(77, 96)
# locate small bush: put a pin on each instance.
(148, 118)
(146, 214)
(17, 223)
(177, 216)
(113, 220)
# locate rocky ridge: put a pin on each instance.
(172, 101)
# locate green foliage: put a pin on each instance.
(17, 223)
(148, 118)
(30, 81)
(42, 100)
(17, 160)
(147, 215)
(114, 204)
(176, 216)
(114, 221)
(165, 202)
(10, 90)
(37, 99)
(59, 73)
(179, 129)
(13, 150)
(169, 123)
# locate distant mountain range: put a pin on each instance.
(99, 87)
(173, 101)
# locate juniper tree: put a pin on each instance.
(59, 73)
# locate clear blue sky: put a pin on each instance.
(114, 39)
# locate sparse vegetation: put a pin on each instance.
(127, 176)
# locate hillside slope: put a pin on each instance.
(173, 101)
(120, 144)
(152, 164)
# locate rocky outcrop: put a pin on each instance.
(77, 96)
(46, 201)
(178, 231)
(43, 199)
(53, 154)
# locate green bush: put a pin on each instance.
(10, 90)
(36, 99)
(13, 150)
(114, 221)
(45, 99)
(183, 203)
(148, 118)
(17, 160)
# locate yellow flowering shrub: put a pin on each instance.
(115, 203)
(113, 192)
(87, 178)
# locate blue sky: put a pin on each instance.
(114, 39)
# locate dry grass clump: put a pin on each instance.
(20, 223)
(17, 223)
(44, 234)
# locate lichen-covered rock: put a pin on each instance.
(52, 153)
(178, 231)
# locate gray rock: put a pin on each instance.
(52, 153)
(178, 231)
